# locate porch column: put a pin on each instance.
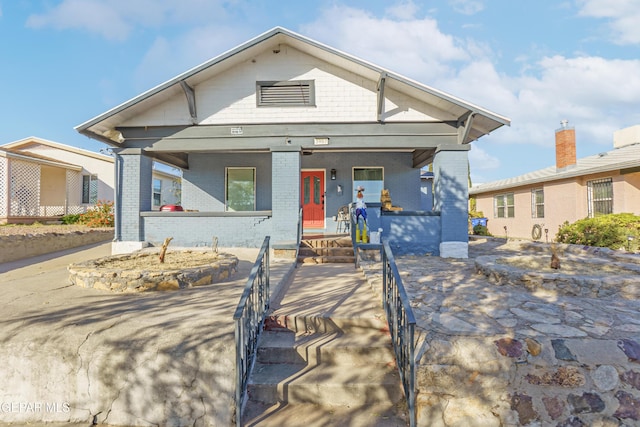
(451, 195)
(285, 198)
(133, 171)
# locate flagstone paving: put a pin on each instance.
(503, 355)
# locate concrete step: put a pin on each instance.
(325, 356)
(368, 347)
(327, 242)
(310, 415)
(329, 259)
(313, 323)
(325, 250)
(326, 385)
(337, 251)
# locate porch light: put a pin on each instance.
(333, 174)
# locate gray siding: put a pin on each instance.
(400, 178)
(135, 179)
(246, 232)
(286, 195)
(451, 187)
(203, 183)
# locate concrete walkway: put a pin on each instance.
(333, 307)
(81, 356)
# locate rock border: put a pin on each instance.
(91, 275)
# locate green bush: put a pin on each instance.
(605, 231)
(70, 219)
(481, 230)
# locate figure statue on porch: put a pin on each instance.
(361, 213)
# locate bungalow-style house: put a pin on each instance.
(42, 180)
(275, 135)
(536, 204)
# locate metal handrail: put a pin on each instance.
(249, 319)
(402, 324)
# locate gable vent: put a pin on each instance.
(285, 94)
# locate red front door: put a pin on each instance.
(312, 195)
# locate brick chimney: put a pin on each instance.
(565, 146)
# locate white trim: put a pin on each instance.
(34, 139)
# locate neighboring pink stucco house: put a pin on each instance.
(536, 204)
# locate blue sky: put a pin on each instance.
(536, 62)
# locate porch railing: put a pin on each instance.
(402, 324)
(248, 319)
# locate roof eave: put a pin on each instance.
(558, 177)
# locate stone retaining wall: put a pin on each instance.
(15, 247)
(502, 381)
(504, 356)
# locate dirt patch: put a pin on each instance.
(174, 260)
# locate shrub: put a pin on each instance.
(70, 219)
(481, 230)
(606, 231)
(100, 216)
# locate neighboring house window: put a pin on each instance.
(296, 93)
(600, 197)
(157, 192)
(241, 189)
(372, 179)
(537, 203)
(90, 189)
(503, 206)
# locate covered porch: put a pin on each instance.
(37, 189)
(277, 189)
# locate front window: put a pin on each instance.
(241, 189)
(157, 192)
(600, 197)
(503, 206)
(90, 189)
(372, 179)
(537, 203)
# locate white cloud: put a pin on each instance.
(467, 7)
(412, 46)
(166, 58)
(403, 11)
(622, 15)
(595, 94)
(116, 19)
(482, 160)
(92, 15)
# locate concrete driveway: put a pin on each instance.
(77, 355)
